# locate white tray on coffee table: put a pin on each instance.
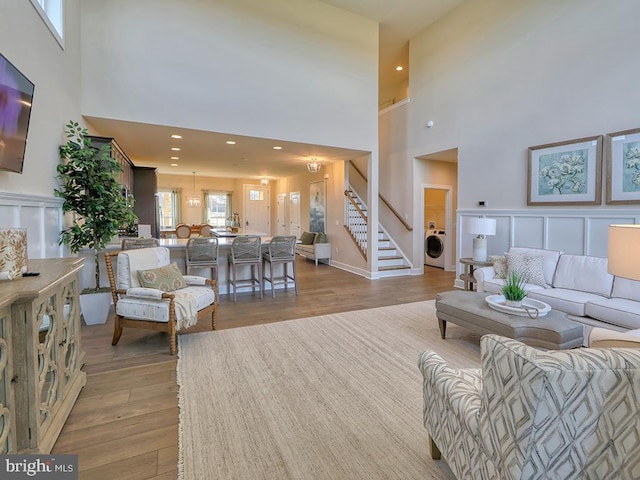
(497, 303)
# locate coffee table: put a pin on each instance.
(554, 331)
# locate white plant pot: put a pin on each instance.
(513, 303)
(95, 307)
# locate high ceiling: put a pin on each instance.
(208, 154)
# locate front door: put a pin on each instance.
(294, 214)
(256, 210)
(281, 222)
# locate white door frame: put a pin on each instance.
(448, 223)
(267, 193)
(281, 223)
(291, 214)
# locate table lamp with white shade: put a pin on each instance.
(623, 256)
(480, 226)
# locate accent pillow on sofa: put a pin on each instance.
(499, 265)
(320, 238)
(167, 278)
(307, 238)
(529, 267)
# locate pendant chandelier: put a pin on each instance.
(194, 201)
(314, 166)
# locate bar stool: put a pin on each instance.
(281, 251)
(202, 252)
(132, 243)
(245, 250)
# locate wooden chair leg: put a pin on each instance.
(295, 278)
(213, 318)
(117, 330)
(434, 450)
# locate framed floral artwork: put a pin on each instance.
(566, 173)
(622, 156)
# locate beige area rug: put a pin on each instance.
(330, 397)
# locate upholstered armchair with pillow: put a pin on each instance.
(150, 292)
(532, 414)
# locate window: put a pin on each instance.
(51, 13)
(168, 208)
(256, 195)
(218, 208)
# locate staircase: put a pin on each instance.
(391, 261)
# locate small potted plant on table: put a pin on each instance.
(90, 189)
(513, 290)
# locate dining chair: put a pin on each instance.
(280, 251)
(245, 250)
(202, 252)
(183, 230)
(205, 230)
(132, 243)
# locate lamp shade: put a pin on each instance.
(479, 225)
(624, 245)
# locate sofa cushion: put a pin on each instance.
(527, 267)
(305, 248)
(320, 238)
(307, 238)
(549, 259)
(625, 288)
(499, 265)
(583, 273)
(494, 285)
(616, 311)
(569, 301)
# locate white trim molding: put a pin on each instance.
(41, 216)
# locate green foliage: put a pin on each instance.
(89, 187)
(513, 288)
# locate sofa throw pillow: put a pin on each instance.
(167, 278)
(529, 267)
(320, 238)
(499, 265)
(307, 238)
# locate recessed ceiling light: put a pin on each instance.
(174, 164)
(175, 158)
(399, 68)
(230, 142)
(176, 136)
(175, 149)
(277, 148)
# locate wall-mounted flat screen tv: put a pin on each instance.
(16, 95)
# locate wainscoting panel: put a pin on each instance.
(581, 232)
(41, 216)
(567, 234)
(528, 231)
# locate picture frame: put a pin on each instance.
(622, 158)
(566, 173)
(317, 206)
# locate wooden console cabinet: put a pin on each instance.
(40, 355)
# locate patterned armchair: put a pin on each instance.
(532, 414)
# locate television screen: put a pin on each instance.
(16, 94)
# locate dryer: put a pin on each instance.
(434, 245)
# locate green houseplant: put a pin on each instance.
(513, 290)
(90, 189)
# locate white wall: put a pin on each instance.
(298, 70)
(27, 42)
(499, 76)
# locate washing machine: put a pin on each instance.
(434, 247)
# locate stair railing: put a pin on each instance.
(385, 201)
(356, 223)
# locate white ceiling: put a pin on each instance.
(207, 154)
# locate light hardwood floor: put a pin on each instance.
(125, 423)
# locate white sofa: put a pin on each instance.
(318, 249)
(580, 286)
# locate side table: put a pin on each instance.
(469, 266)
